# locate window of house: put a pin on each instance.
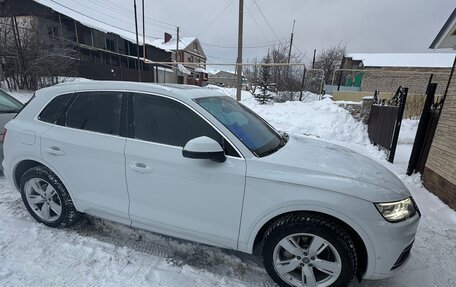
(110, 45)
(95, 111)
(115, 60)
(165, 121)
(195, 46)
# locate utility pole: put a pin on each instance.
(177, 55)
(144, 31)
(313, 61)
(239, 57)
(137, 42)
(289, 53)
(291, 42)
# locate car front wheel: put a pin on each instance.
(308, 250)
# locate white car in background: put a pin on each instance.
(190, 163)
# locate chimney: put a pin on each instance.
(167, 37)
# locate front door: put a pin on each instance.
(195, 199)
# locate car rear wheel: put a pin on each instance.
(308, 250)
(47, 199)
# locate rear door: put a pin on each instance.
(195, 199)
(86, 147)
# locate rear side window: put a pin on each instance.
(53, 111)
(161, 120)
(95, 111)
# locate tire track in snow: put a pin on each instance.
(226, 263)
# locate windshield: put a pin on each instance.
(8, 104)
(247, 126)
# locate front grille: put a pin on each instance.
(403, 257)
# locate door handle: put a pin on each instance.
(140, 167)
(54, 150)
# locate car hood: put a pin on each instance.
(320, 164)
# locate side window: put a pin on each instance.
(165, 121)
(95, 111)
(54, 109)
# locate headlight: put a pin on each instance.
(397, 211)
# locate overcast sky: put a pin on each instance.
(363, 25)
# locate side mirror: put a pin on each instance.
(204, 148)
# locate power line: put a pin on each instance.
(266, 20)
(125, 30)
(215, 18)
(119, 19)
(117, 27)
(122, 10)
(250, 46)
(254, 19)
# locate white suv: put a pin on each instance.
(190, 163)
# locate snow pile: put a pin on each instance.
(322, 119)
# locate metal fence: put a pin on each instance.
(385, 122)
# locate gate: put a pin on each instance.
(425, 132)
(385, 121)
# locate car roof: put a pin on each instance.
(185, 92)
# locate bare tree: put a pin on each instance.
(251, 72)
(286, 78)
(329, 60)
(34, 57)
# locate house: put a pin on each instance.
(191, 53)
(105, 51)
(439, 175)
(385, 72)
(227, 79)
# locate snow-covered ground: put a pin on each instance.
(101, 253)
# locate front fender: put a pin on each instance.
(266, 200)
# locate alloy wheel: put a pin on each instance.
(305, 259)
(43, 199)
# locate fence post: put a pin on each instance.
(302, 83)
(397, 127)
(422, 127)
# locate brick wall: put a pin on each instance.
(388, 79)
(439, 175)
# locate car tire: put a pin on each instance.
(47, 199)
(308, 250)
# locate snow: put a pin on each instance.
(171, 45)
(102, 253)
(422, 60)
(22, 96)
(347, 103)
(90, 17)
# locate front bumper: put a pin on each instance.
(392, 246)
